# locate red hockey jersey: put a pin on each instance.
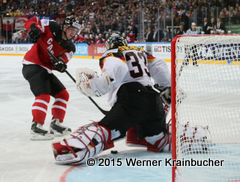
(52, 40)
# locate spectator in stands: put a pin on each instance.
(120, 28)
(220, 25)
(166, 36)
(185, 20)
(149, 35)
(212, 26)
(236, 7)
(193, 49)
(110, 31)
(100, 39)
(235, 18)
(200, 16)
(149, 24)
(124, 35)
(185, 5)
(158, 34)
(80, 38)
(231, 11)
(180, 31)
(134, 29)
(131, 34)
(102, 26)
(106, 36)
(108, 25)
(222, 17)
(206, 26)
(176, 21)
(90, 40)
(96, 36)
(114, 24)
(24, 36)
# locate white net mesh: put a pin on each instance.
(208, 96)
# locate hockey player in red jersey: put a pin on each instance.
(136, 106)
(37, 70)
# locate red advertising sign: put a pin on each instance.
(8, 23)
(96, 49)
(20, 21)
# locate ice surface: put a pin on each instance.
(23, 160)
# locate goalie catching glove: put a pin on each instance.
(91, 84)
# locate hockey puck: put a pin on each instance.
(114, 151)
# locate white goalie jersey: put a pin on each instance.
(132, 64)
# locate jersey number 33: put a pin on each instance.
(137, 64)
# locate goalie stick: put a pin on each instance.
(103, 111)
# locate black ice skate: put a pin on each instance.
(38, 133)
(58, 128)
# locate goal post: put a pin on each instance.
(205, 73)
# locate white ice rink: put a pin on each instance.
(23, 160)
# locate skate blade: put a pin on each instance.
(36, 136)
(57, 134)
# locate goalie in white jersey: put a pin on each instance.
(137, 110)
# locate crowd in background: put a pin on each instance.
(136, 20)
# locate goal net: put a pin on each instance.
(206, 108)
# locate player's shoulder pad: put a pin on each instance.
(150, 57)
(124, 48)
(111, 53)
(54, 28)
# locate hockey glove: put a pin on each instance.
(91, 84)
(165, 93)
(59, 65)
(35, 33)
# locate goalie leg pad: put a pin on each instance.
(160, 142)
(156, 143)
(132, 138)
(196, 139)
(86, 142)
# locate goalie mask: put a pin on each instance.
(70, 21)
(114, 41)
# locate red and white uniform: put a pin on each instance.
(51, 38)
(80, 37)
(131, 35)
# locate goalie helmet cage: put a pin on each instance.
(206, 96)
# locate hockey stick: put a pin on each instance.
(55, 59)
